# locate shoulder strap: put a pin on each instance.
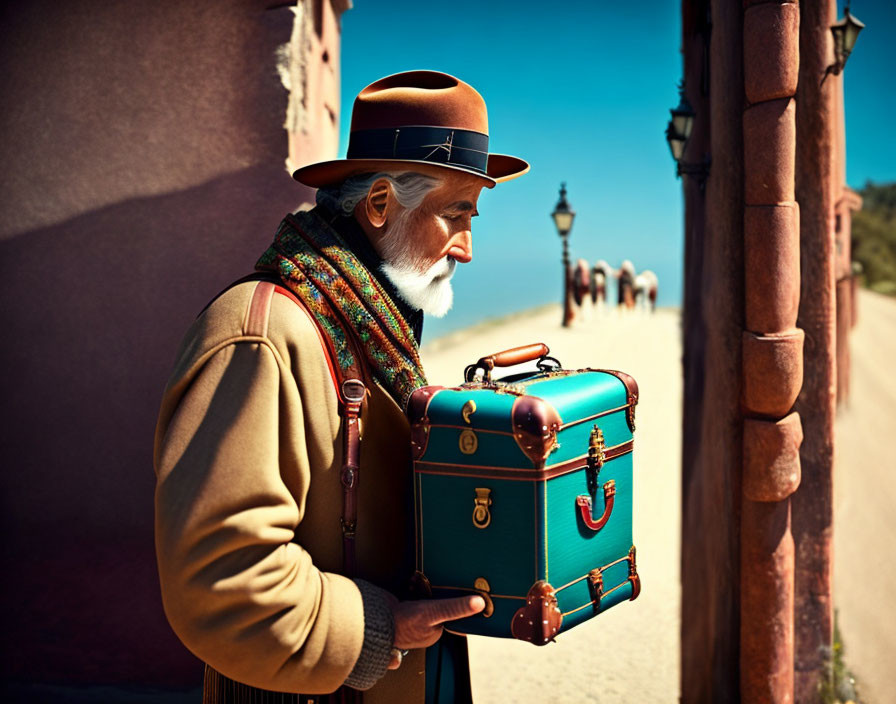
(351, 391)
(255, 276)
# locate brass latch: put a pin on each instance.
(468, 442)
(483, 588)
(596, 447)
(481, 515)
(596, 582)
(596, 456)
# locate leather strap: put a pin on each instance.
(351, 392)
(352, 398)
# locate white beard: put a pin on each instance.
(429, 290)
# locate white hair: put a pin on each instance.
(409, 187)
(428, 290)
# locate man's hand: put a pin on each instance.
(418, 624)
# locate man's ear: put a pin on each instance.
(380, 202)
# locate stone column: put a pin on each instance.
(772, 351)
(817, 181)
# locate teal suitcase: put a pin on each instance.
(523, 494)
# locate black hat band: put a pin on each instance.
(438, 145)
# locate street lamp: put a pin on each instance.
(682, 121)
(563, 216)
(845, 32)
(678, 131)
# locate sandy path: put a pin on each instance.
(865, 503)
(633, 648)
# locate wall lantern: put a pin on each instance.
(845, 32)
(678, 131)
(682, 116)
(676, 142)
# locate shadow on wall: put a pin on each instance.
(94, 309)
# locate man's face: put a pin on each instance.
(422, 246)
(441, 226)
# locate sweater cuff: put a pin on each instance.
(379, 635)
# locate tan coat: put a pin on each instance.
(248, 450)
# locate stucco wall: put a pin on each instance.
(144, 157)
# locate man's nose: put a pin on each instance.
(461, 247)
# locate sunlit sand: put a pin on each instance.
(864, 502)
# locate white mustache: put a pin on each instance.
(442, 268)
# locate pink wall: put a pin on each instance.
(144, 156)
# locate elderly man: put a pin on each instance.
(284, 560)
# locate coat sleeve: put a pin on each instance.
(236, 590)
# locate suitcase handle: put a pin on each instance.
(508, 358)
(584, 504)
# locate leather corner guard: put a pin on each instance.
(631, 392)
(584, 504)
(772, 458)
(540, 619)
(418, 405)
(419, 402)
(773, 372)
(535, 424)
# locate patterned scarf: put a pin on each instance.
(314, 263)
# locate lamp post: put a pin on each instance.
(563, 216)
(845, 32)
(678, 131)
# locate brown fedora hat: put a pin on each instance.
(417, 118)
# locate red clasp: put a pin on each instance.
(584, 504)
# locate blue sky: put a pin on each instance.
(870, 95)
(582, 91)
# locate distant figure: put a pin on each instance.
(626, 286)
(600, 274)
(645, 289)
(581, 281)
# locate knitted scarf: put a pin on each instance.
(314, 262)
